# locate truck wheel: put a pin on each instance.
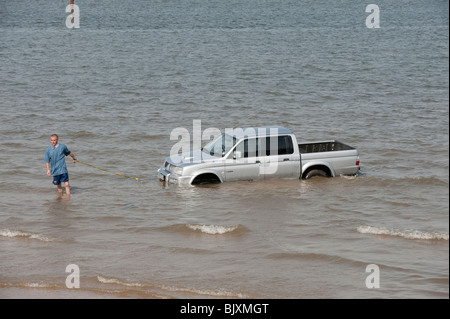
(206, 179)
(315, 172)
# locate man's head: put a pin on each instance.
(54, 139)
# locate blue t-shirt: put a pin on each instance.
(56, 157)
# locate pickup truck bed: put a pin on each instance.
(332, 157)
(328, 146)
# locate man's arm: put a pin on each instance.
(48, 168)
(69, 153)
(73, 157)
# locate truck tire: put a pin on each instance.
(208, 178)
(315, 172)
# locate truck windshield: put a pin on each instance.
(220, 146)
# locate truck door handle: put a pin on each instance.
(258, 162)
(286, 159)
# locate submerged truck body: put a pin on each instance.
(259, 153)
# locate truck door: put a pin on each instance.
(279, 161)
(243, 163)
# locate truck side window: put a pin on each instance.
(249, 147)
(288, 147)
(284, 146)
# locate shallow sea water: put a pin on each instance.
(115, 89)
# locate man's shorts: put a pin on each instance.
(58, 179)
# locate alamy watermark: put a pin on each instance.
(73, 279)
(373, 19)
(73, 19)
(243, 144)
(373, 280)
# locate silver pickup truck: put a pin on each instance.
(259, 153)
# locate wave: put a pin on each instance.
(110, 280)
(213, 229)
(166, 291)
(31, 284)
(407, 234)
(208, 229)
(27, 235)
(220, 293)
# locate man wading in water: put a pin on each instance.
(55, 160)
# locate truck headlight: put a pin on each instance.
(176, 170)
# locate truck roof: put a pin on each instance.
(257, 131)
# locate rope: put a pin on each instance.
(102, 169)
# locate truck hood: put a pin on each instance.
(192, 158)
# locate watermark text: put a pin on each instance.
(73, 279)
(73, 19)
(373, 19)
(373, 280)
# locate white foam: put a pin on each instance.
(213, 229)
(116, 281)
(408, 234)
(27, 235)
(206, 292)
(36, 285)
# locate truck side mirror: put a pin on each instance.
(237, 154)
